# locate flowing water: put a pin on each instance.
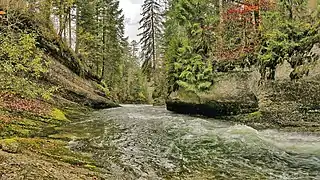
(145, 142)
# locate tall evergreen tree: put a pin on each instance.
(151, 26)
(134, 48)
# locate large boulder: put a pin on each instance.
(232, 94)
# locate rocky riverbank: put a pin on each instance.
(31, 147)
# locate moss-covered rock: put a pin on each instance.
(31, 129)
(230, 95)
(56, 149)
(57, 114)
(255, 115)
(10, 145)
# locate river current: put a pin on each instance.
(144, 142)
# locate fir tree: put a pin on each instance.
(134, 48)
(151, 26)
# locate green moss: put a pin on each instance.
(31, 124)
(58, 115)
(91, 167)
(74, 113)
(188, 96)
(255, 115)
(72, 160)
(67, 137)
(15, 129)
(8, 141)
(55, 149)
(28, 122)
(10, 145)
(103, 88)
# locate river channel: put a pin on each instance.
(145, 142)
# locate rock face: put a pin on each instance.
(66, 71)
(77, 89)
(232, 94)
(290, 104)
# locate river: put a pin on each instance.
(145, 142)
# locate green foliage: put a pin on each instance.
(195, 74)
(22, 63)
(133, 86)
(160, 86)
(20, 54)
(189, 45)
(198, 35)
(100, 39)
(287, 36)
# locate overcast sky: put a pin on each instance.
(131, 10)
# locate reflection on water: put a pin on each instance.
(145, 142)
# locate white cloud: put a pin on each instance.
(131, 9)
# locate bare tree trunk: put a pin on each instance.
(77, 30)
(60, 18)
(70, 28)
(97, 21)
(153, 44)
(291, 10)
(63, 18)
(220, 33)
(65, 30)
(104, 43)
(65, 27)
(259, 13)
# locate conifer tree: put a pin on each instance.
(151, 26)
(134, 48)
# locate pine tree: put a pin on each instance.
(87, 39)
(151, 26)
(134, 48)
